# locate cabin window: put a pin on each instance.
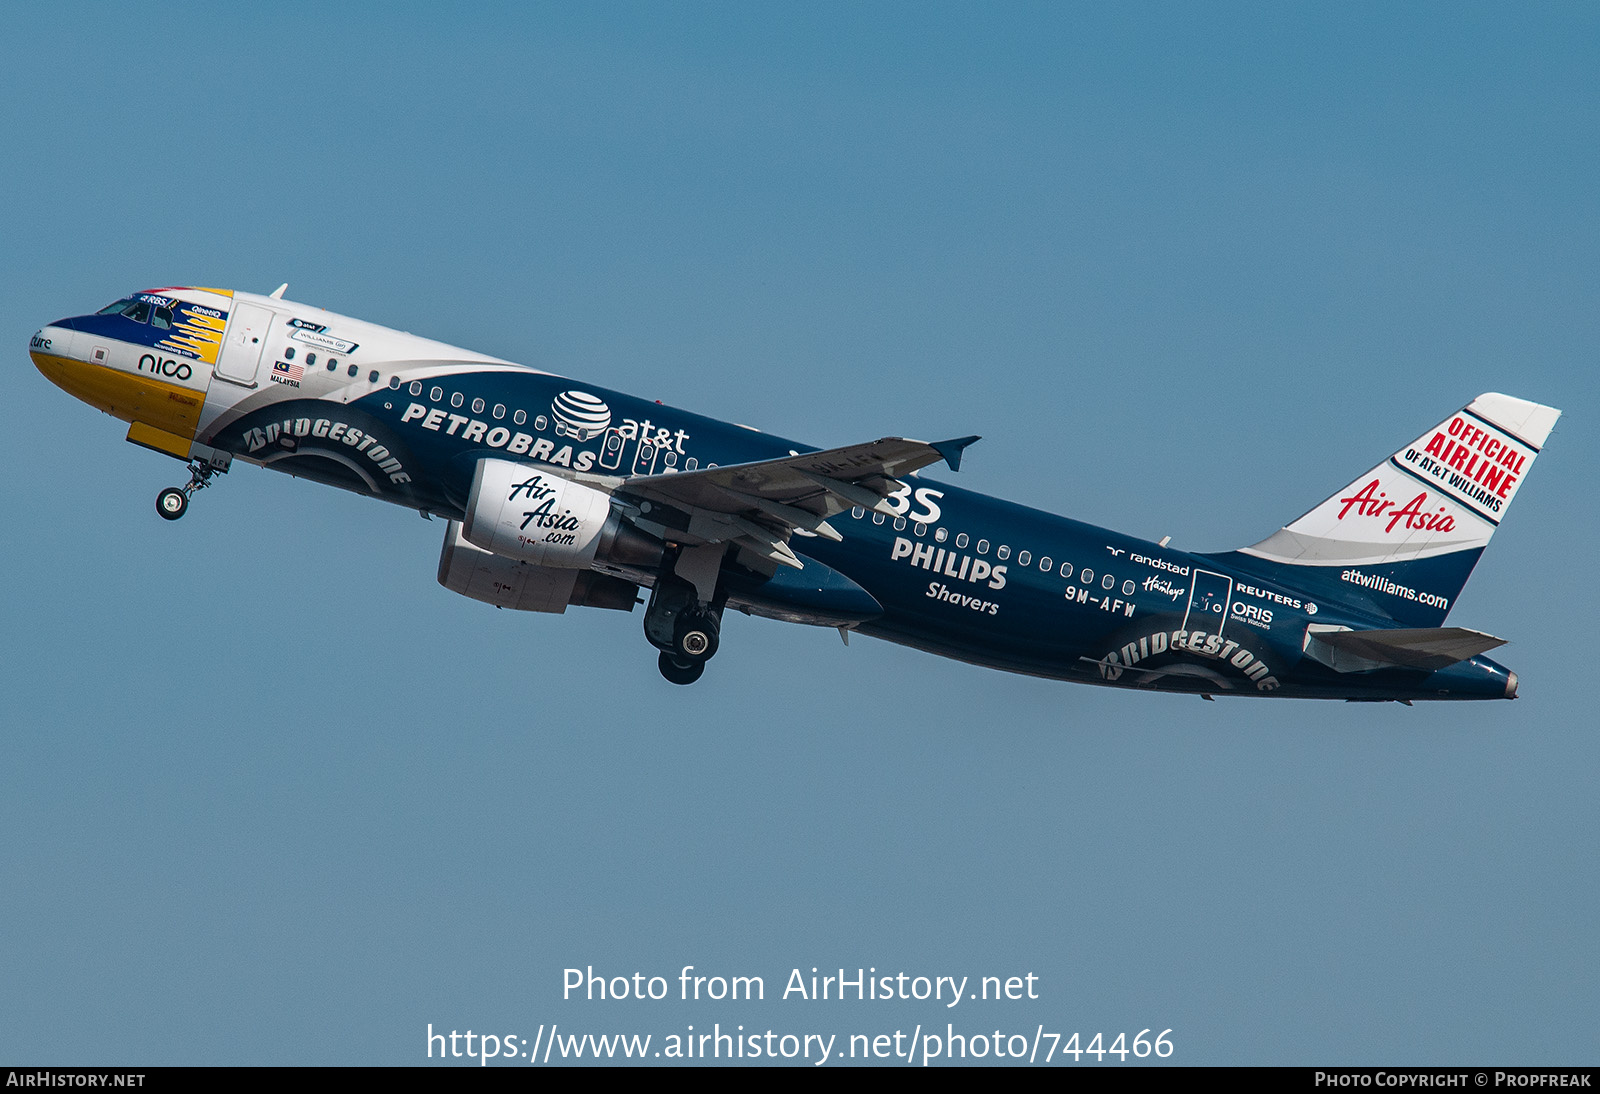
(941, 534)
(877, 518)
(1003, 553)
(350, 372)
(691, 463)
(456, 399)
(394, 383)
(856, 512)
(1045, 564)
(372, 377)
(416, 387)
(311, 359)
(899, 524)
(333, 363)
(477, 406)
(1023, 558)
(520, 417)
(499, 410)
(1066, 569)
(1127, 588)
(436, 394)
(671, 458)
(288, 353)
(983, 546)
(1108, 582)
(540, 422)
(1086, 576)
(920, 529)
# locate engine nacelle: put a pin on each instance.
(518, 511)
(507, 583)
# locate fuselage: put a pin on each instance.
(404, 419)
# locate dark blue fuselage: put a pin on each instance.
(956, 573)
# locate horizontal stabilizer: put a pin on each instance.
(1428, 648)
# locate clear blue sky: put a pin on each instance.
(270, 794)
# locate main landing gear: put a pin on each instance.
(683, 627)
(173, 502)
(676, 672)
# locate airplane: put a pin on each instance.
(558, 493)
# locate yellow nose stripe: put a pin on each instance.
(127, 395)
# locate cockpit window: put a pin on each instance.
(138, 311)
(161, 317)
(114, 309)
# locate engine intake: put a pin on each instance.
(518, 511)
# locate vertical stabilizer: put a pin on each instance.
(1411, 529)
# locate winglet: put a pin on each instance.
(951, 450)
(277, 294)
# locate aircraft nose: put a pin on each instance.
(54, 340)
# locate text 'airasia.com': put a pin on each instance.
(963, 1021)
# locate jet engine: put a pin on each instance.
(508, 583)
(531, 540)
(523, 512)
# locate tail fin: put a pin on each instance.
(1409, 531)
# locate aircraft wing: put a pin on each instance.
(759, 505)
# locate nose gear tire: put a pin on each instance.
(172, 503)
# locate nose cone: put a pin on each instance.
(51, 345)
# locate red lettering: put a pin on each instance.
(1366, 499)
(1409, 511)
(1436, 446)
(1418, 521)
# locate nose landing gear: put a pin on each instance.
(173, 502)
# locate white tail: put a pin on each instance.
(1443, 493)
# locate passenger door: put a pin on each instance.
(244, 343)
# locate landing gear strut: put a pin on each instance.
(683, 627)
(173, 502)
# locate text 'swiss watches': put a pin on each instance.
(558, 492)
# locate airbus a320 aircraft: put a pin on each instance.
(559, 493)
